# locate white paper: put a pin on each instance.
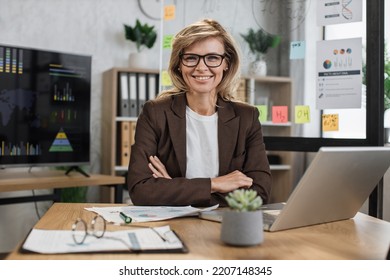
(335, 12)
(61, 241)
(339, 74)
(140, 214)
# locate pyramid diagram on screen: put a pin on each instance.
(61, 143)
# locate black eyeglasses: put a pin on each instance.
(211, 60)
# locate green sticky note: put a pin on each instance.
(263, 112)
(167, 41)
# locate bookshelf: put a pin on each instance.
(274, 91)
(114, 119)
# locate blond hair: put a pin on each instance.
(196, 32)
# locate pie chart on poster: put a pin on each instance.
(327, 64)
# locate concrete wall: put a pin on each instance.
(91, 27)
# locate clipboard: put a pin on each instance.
(184, 249)
(60, 242)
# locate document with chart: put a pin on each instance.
(339, 70)
(140, 214)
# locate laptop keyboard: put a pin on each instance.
(269, 216)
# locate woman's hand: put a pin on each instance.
(230, 182)
(158, 168)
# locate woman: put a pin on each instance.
(194, 144)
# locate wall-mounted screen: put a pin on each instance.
(44, 107)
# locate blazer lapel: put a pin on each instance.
(228, 125)
(177, 130)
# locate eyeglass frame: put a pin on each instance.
(93, 222)
(202, 57)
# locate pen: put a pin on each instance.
(125, 218)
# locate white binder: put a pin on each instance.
(133, 94)
(124, 105)
(141, 91)
(152, 86)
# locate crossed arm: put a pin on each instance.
(221, 184)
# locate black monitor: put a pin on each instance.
(45, 107)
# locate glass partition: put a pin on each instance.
(324, 81)
(313, 92)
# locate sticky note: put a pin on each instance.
(165, 79)
(263, 112)
(169, 12)
(167, 41)
(279, 114)
(302, 114)
(330, 122)
(297, 50)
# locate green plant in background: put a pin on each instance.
(387, 80)
(243, 200)
(141, 34)
(260, 41)
(76, 194)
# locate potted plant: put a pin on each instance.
(387, 94)
(242, 224)
(144, 36)
(259, 43)
(75, 194)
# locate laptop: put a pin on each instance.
(334, 187)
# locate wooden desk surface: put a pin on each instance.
(49, 179)
(362, 237)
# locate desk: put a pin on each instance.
(53, 179)
(362, 237)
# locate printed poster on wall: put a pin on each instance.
(335, 12)
(339, 74)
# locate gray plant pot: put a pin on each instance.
(242, 228)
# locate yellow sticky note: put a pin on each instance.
(263, 112)
(165, 79)
(330, 122)
(167, 41)
(279, 114)
(169, 12)
(302, 114)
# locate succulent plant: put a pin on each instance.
(244, 200)
(141, 34)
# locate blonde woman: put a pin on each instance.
(194, 143)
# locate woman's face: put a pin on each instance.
(202, 79)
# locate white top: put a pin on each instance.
(202, 145)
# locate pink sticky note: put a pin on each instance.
(279, 114)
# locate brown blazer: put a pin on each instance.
(161, 131)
